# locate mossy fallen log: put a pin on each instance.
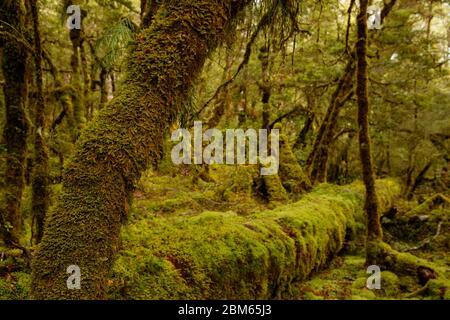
(226, 256)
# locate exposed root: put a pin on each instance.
(428, 240)
(429, 275)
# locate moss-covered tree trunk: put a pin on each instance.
(374, 231)
(83, 229)
(14, 66)
(40, 180)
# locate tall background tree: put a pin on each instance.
(374, 231)
(15, 62)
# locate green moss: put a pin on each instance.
(273, 189)
(390, 284)
(429, 204)
(227, 256)
(439, 289)
(17, 288)
(390, 287)
(293, 178)
(360, 291)
(117, 146)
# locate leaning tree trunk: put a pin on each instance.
(83, 229)
(14, 65)
(374, 231)
(326, 121)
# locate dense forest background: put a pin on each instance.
(85, 156)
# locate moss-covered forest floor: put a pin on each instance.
(164, 201)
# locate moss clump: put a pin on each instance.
(390, 287)
(390, 284)
(439, 289)
(293, 178)
(273, 189)
(360, 291)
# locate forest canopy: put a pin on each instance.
(232, 149)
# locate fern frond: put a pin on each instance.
(111, 46)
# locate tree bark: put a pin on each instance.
(40, 181)
(120, 142)
(15, 73)
(374, 231)
(265, 85)
(78, 69)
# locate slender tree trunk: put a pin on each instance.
(76, 63)
(326, 121)
(319, 172)
(83, 230)
(15, 72)
(86, 80)
(374, 231)
(103, 87)
(40, 180)
(300, 142)
(265, 86)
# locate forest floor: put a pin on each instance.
(163, 196)
(169, 195)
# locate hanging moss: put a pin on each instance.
(226, 256)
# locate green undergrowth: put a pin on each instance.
(346, 279)
(223, 255)
(215, 238)
(228, 188)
